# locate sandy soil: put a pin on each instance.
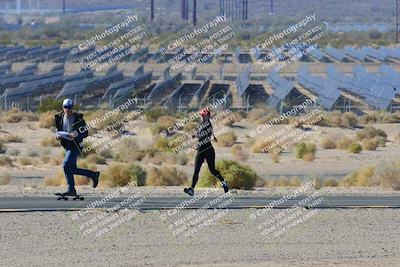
(330, 238)
(334, 163)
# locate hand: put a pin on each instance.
(58, 137)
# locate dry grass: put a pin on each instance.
(361, 177)
(46, 120)
(24, 161)
(12, 138)
(332, 182)
(160, 158)
(13, 152)
(371, 132)
(370, 144)
(283, 181)
(3, 148)
(344, 142)
(227, 139)
(16, 115)
(5, 161)
(164, 124)
(128, 151)
(165, 176)
(305, 151)
(95, 159)
(239, 153)
(328, 143)
(50, 141)
(121, 174)
(5, 179)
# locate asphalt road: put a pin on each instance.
(50, 203)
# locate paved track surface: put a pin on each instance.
(50, 203)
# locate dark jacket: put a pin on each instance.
(79, 130)
(204, 135)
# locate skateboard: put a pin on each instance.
(64, 197)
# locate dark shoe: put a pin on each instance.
(96, 179)
(225, 186)
(71, 193)
(189, 191)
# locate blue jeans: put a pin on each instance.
(70, 168)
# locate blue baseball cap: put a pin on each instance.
(67, 103)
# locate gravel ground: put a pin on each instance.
(364, 237)
(33, 188)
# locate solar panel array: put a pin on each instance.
(326, 89)
(281, 88)
(376, 90)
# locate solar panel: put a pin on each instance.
(326, 89)
(354, 53)
(281, 88)
(335, 53)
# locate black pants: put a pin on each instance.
(207, 154)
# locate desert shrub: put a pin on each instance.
(265, 145)
(257, 113)
(163, 124)
(309, 156)
(30, 126)
(12, 138)
(50, 141)
(387, 175)
(361, 177)
(59, 180)
(344, 142)
(45, 159)
(238, 176)
(50, 104)
(5, 161)
(381, 141)
(96, 159)
(371, 132)
(121, 174)
(328, 143)
(14, 115)
(153, 114)
(165, 176)
(304, 148)
(161, 144)
(227, 139)
(160, 158)
(370, 144)
(355, 148)
(182, 158)
(331, 183)
(13, 152)
(380, 117)
(294, 181)
(3, 148)
(317, 183)
(270, 116)
(46, 120)
(5, 178)
(32, 153)
(190, 127)
(128, 150)
(239, 153)
(338, 119)
(25, 161)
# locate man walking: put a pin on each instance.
(205, 151)
(71, 130)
